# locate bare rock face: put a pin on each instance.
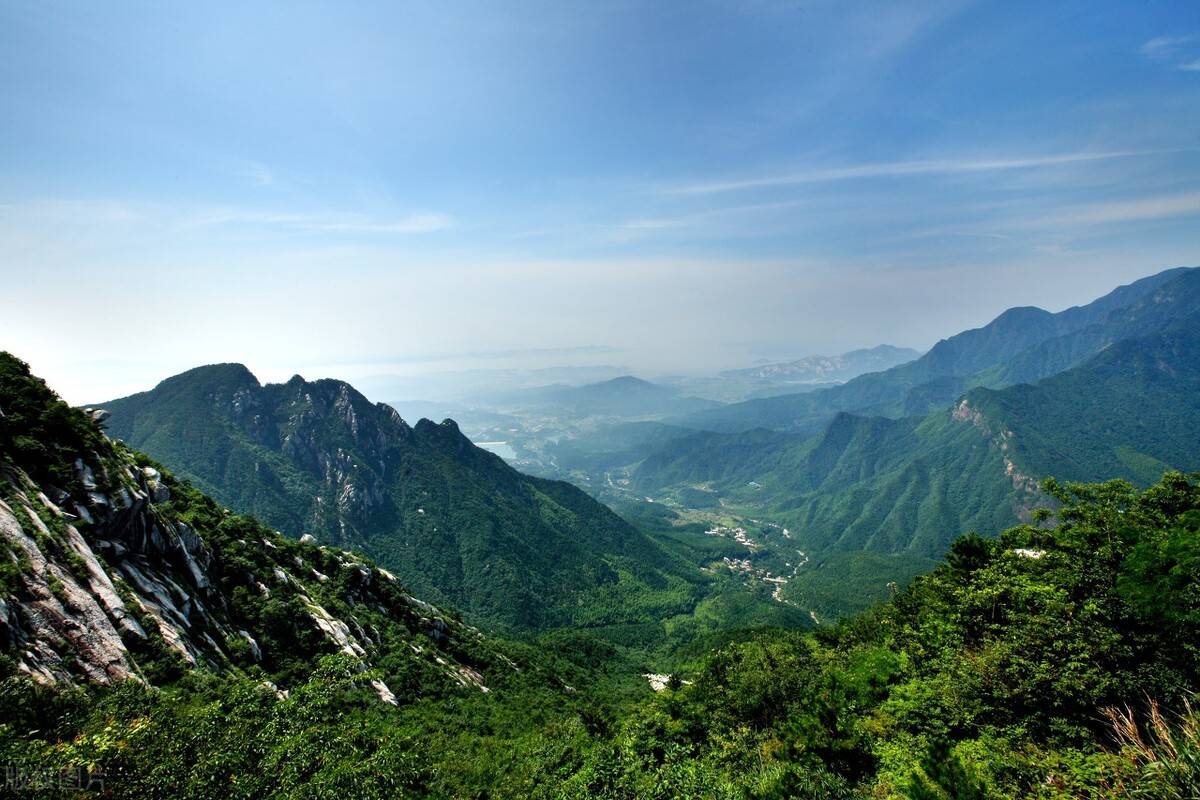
(65, 623)
(964, 412)
(69, 619)
(1029, 493)
(90, 582)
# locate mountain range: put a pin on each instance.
(113, 570)
(884, 484)
(156, 644)
(156, 639)
(827, 369)
(1021, 345)
(453, 521)
(879, 497)
(873, 477)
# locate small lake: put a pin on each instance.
(502, 449)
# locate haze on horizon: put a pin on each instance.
(349, 191)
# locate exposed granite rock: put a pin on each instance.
(68, 621)
(120, 572)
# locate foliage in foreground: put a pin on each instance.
(992, 677)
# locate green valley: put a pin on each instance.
(454, 522)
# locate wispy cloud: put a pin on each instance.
(414, 224)
(709, 220)
(901, 169)
(880, 31)
(1140, 209)
(107, 212)
(656, 224)
(1161, 45)
(1182, 52)
(480, 355)
(700, 217)
(1013, 225)
(333, 223)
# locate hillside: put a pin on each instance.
(1053, 661)
(453, 521)
(116, 571)
(1131, 411)
(905, 487)
(1020, 345)
(864, 483)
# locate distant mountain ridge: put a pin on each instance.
(829, 369)
(1020, 345)
(454, 521)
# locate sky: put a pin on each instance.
(363, 189)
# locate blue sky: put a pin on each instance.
(343, 188)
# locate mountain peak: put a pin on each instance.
(425, 425)
(1019, 315)
(626, 380)
(229, 375)
(882, 350)
(453, 521)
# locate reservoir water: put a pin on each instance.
(502, 449)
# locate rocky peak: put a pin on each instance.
(446, 436)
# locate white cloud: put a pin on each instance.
(1180, 51)
(1165, 45)
(1144, 208)
(414, 224)
(31, 214)
(900, 169)
(706, 219)
(334, 223)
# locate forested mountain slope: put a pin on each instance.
(1131, 411)
(453, 521)
(1053, 661)
(865, 483)
(908, 486)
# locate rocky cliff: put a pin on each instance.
(111, 569)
